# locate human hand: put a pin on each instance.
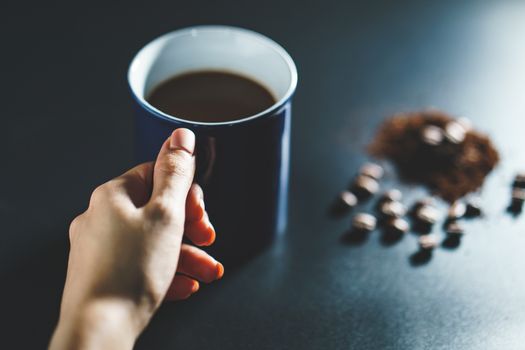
(127, 253)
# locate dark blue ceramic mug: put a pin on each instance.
(242, 165)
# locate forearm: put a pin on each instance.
(102, 324)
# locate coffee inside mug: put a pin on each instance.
(215, 48)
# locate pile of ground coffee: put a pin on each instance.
(436, 150)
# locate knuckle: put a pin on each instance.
(103, 195)
(119, 211)
(99, 193)
(74, 227)
(160, 211)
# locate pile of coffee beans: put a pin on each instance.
(390, 214)
(389, 210)
(436, 150)
(430, 148)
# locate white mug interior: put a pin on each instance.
(223, 48)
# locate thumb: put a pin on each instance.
(173, 172)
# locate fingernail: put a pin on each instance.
(210, 226)
(213, 234)
(202, 205)
(220, 270)
(195, 287)
(183, 139)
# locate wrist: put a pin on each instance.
(110, 323)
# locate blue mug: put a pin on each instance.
(243, 164)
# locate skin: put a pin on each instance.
(127, 255)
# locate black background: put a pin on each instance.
(66, 127)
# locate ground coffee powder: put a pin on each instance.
(436, 150)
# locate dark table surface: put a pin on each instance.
(67, 126)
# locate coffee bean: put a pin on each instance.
(454, 229)
(465, 123)
(344, 202)
(427, 214)
(473, 209)
(516, 204)
(393, 209)
(518, 194)
(397, 226)
(455, 132)
(372, 170)
(519, 180)
(392, 195)
(388, 196)
(364, 222)
(348, 199)
(457, 210)
(424, 218)
(518, 197)
(420, 203)
(432, 135)
(427, 242)
(364, 186)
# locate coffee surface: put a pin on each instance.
(210, 96)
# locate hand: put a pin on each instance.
(127, 254)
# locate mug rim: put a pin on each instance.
(191, 31)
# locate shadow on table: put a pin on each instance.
(389, 238)
(451, 242)
(31, 292)
(420, 258)
(354, 238)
